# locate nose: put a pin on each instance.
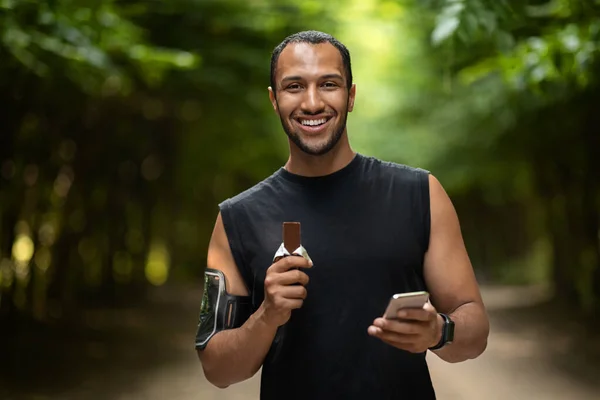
(312, 103)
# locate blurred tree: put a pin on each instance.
(66, 67)
(127, 123)
(507, 118)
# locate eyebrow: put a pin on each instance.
(299, 78)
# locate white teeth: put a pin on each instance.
(314, 122)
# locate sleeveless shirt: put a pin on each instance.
(366, 228)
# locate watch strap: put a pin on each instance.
(447, 333)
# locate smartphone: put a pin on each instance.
(405, 300)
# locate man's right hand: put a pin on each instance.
(282, 292)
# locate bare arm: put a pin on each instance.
(234, 355)
(451, 281)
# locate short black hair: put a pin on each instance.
(312, 37)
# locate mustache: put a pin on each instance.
(320, 113)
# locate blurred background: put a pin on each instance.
(125, 123)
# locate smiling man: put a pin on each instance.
(372, 228)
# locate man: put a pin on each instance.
(371, 228)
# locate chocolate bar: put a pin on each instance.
(291, 246)
(291, 236)
(292, 242)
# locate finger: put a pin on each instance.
(287, 278)
(292, 304)
(392, 338)
(430, 308)
(293, 292)
(374, 330)
(405, 327)
(290, 262)
(416, 314)
(292, 277)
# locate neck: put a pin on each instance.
(300, 163)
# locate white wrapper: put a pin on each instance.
(282, 252)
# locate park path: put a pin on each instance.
(150, 356)
(515, 365)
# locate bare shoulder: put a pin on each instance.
(439, 200)
(447, 268)
(220, 257)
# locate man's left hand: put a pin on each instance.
(415, 330)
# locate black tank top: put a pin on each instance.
(366, 228)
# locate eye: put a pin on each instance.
(293, 86)
(330, 84)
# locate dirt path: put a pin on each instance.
(522, 360)
(516, 364)
(146, 353)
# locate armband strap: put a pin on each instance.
(219, 310)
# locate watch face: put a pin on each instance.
(450, 331)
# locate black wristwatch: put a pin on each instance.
(447, 333)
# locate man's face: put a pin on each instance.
(312, 100)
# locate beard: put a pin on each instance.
(322, 148)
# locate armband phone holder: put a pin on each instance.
(219, 310)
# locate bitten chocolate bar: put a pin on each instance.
(292, 242)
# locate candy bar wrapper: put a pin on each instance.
(283, 252)
(292, 239)
(292, 242)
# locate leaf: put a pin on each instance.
(7, 4)
(444, 30)
(478, 71)
(546, 10)
(504, 41)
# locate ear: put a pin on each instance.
(273, 99)
(351, 96)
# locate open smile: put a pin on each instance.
(313, 125)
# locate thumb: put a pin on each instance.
(429, 308)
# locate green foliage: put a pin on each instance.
(91, 44)
(521, 79)
(545, 49)
(130, 121)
